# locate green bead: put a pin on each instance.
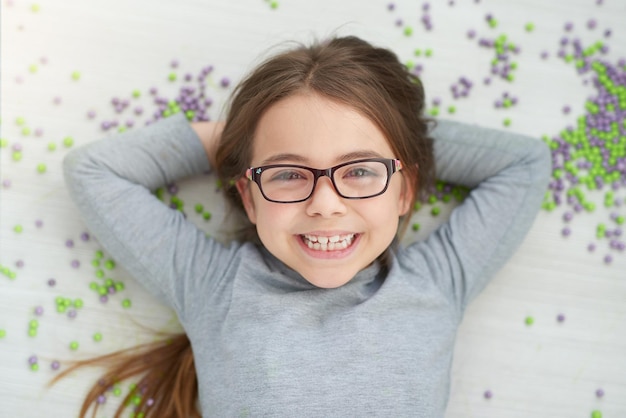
(417, 206)
(415, 227)
(35, 8)
(78, 303)
(529, 27)
(99, 254)
(102, 290)
(199, 208)
(18, 229)
(68, 141)
(3, 333)
(596, 414)
(493, 23)
(273, 4)
(41, 168)
(95, 263)
(93, 286)
(620, 220)
(109, 264)
(3, 143)
(20, 121)
(117, 391)
(529, 320)
(32, 332)
(428, 52)
(408, 31)
(451, 109)
(126, 303)
(25, 131)
(119, 286)
(17, 155)
(99, 273)
(506, 122)
(52, 146)
(434, 111)
(171, 77)
(206, 216)
(33, 324)
(74, 345)
(75, 76)
(34, 367)
(417, 52)
(97, 337)
(136, 93)
(435, 211)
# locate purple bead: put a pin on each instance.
(471, 34)
(52, 282)
(560, 317)
(104, 298)
(569, 26)
(153, 91)
(84, 236)
(544, 55)
(138, 110)
(17, 147)
(591, 24)
(71, 313)
(75, 264)
(38, 310)
(591, 247)
(6, 183)
(225, 82)
(38, 132)
(599, 393)
(101, 399)
(57, 100)
(32, 360)
(55, 365)
(566, 109)
(608, 259)
(19, 264)
(391, 6)
(150, 402)
(566, 232)
(38, 223)
(69, 243)
(91, 114)
(174, 64)
(488, 394)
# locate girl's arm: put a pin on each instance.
(111, 181)
(508, 174)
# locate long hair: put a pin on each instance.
(347, 70)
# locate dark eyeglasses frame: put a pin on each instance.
(393, 165)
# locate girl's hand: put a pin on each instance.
(209, 134)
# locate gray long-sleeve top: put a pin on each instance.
(268, 343)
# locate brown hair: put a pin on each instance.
(347, 70)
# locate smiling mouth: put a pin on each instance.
(333, 243)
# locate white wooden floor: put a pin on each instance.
(115, 47)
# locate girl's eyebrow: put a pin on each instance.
(295, 158)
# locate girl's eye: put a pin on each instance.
(287, 175)
(359, 172)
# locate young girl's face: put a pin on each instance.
(310, 130)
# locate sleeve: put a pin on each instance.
(508, 175)
(110, 182)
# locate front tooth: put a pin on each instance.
(322, 240)
(334, 238)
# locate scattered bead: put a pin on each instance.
(560, 317)
(488, 394)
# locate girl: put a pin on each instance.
(320, 312)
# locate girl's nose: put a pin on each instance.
(325, 201)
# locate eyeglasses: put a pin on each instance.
(360, 179)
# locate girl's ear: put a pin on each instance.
(406, 196)
(243, 187)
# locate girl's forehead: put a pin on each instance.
(312, 128)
